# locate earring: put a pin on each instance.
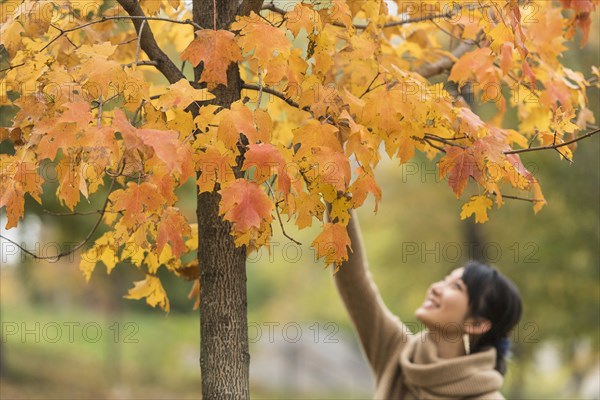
(467, 343)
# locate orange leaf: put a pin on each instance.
(458, 164)
(240, 119)
(165, 144)
(135, 200)
(215, 166)
(268, 160)
(266, 40)
(173, 226)
(362, 186)
(18, 175)
(246, 205)
(216, 49)
(333, 244)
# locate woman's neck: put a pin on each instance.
(448, 347)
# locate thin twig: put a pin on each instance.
(11, 67)
(279, 217)
(252, 86)
(78, 213)
(105, 101)
(141, 63)
(434, 146)
(139, 41)
(100, 103)
(260, 88)
(118, 17)
(370, 84)
(505, 196)
(442, 140)
(554, 146)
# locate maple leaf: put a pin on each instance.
(105, 250)
(246, 205)
(70, 182)
(181, 94)
(303, 17)
(306, 206)
(165, 144)
(135, 201)
(267, 160)
(332, 167)
(500, 34)
(385, 111)
(315, 134)
(216, 50)
(478, 63)
(18, 176)
(151, 289)
(240, 119)
(333, 244)
(363, 185)
(172, 227)
(62, 132)
(478, 205)
(459, 164)
(335, 82)
(264, 39)
(215, 166)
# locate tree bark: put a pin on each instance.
(224, 355)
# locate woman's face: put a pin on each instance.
(446, 304)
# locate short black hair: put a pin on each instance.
(496, 298)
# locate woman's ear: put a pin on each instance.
(477, 326)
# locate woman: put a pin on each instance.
(468, 316)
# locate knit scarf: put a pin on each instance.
(427, 376)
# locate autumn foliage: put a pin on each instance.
(329, 88)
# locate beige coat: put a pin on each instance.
(406, 366)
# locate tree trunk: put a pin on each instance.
(224, 355)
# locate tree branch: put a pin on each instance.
(443, 64)
(448, 14)
(553, 146)
(258, 88)
(148, 43)
(442, 140)
(248, 6)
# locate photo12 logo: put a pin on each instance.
(69, 332)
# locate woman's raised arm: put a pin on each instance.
(381, 333)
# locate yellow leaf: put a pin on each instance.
(151, 289)
(500, 35)
(538, 196)
(102, 250)
(478, 205)
(181, 94)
